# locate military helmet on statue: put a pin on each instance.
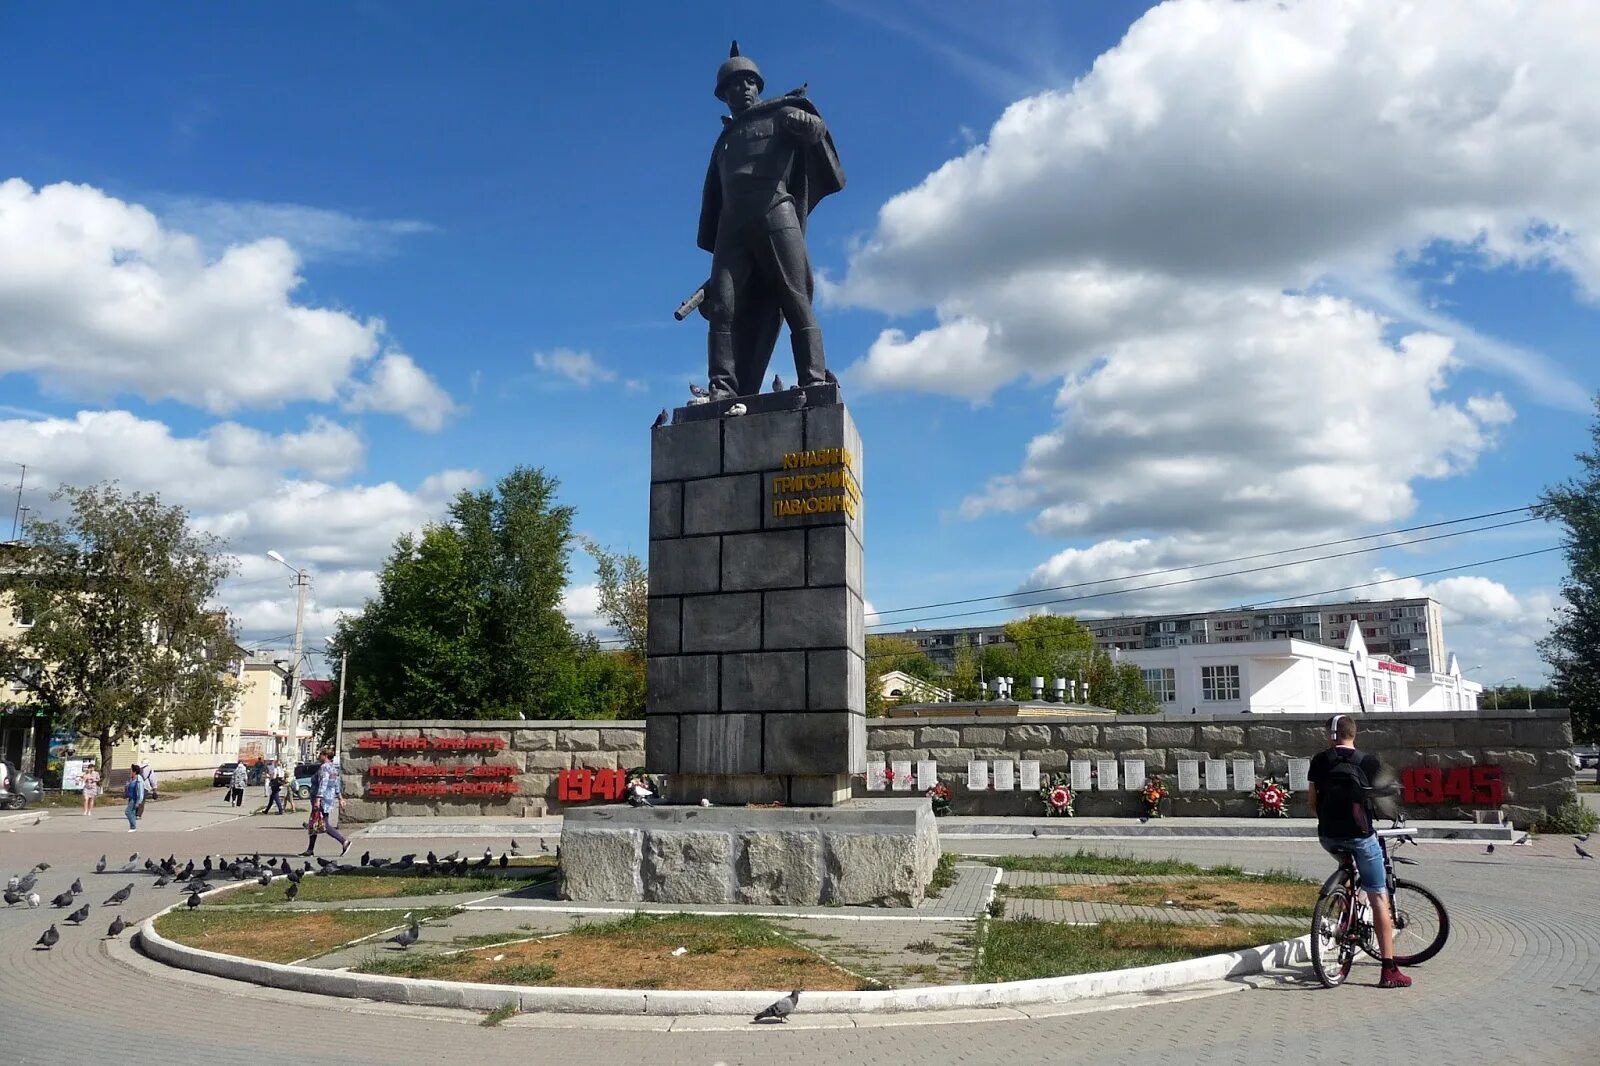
(737, 64)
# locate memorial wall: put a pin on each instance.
(1449, 765)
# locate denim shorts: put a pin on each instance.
(1368, 855)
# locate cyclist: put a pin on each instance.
(1338, 779)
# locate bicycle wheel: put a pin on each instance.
(1332, 950)
(1421, 925)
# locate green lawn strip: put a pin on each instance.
(1089, 862)
(280, 936)
(343, 887)
(1023, 950)
(944, 874)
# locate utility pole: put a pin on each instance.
(338, 728)
(16, 514)
(302, 580)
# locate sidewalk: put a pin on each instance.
(527, 831)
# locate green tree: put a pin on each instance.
(962, 681)
(624, 595)
(1573, 647)
(125, 641)
(1048, 646)
(467, 622)
(885, 654)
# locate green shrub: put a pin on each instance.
(1572, 817)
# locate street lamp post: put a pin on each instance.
(301, 581)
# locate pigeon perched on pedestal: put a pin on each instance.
(661, 419)
(697, 392)
(777, 383)
(780, 1010)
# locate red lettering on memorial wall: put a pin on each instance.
(443, 788)
(374, 743)
(420, 770)
(1471, 785)
(583, 785)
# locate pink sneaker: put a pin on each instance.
(1393, 978)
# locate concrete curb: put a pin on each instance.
(612, 1001)
(26, 816)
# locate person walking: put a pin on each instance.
(241, 774)
(274, 787)
(133, 792)
(91, 788)
(327, 803)
(1340, 779)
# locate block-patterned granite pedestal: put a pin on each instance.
(861, 853)
(757, 675)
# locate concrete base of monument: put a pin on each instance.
(791, 790)
(863, 853)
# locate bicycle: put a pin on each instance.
(1341, 923)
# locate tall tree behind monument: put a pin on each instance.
(467, 622)
(1573, 647)
(125, 640)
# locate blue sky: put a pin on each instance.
(1111, 289)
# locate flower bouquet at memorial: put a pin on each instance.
(939, 796)
(1057, 795)
(1154, 791)
(1272, 799)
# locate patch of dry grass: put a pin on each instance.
(1201, 893)
(278, 936)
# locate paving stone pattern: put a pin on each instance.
(1519, 981)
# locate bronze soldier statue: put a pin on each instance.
(774, 161)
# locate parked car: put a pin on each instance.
(25, 789)
(1588, 757)
(223, 776)
(304, 774)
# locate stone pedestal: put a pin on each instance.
(757, 674)
(861, 853)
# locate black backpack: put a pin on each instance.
(1346, 788)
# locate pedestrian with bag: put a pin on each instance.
(133, 792)
(241, 775)
(274, 787)
(327, 803)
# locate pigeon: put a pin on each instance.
(62, 900)
(13, 897)
(128, 867)
(406, 862)
(264, 880)
(406, 937)
(1451, 835)
(42, 866)
(1583, 838)
(47, 939)
(378, 864)
(198, 886)
(544, 848)
(120, 895)
(505, 860)
(433, 861)
(77, 916)
(149, 864)
(482, 863)
(738, 409)
(697, 392)
(777, 383)
(1581, 853)
(661, 419)
(780, 1010)
(134, 857)
(1522, 841)
(163, 881)
(77, 887)
(1489, 850)
(292, 891)
(117, 926)
(194, 900)
(33, 899)
(1143, 819)
(799, 398)
(828, 376)
(515, 850)
(366, 858)
(100, 867)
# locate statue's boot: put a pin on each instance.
(719, 359)
(809, 367)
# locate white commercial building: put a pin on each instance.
(1289, 675)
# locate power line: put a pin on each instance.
(1311, 595)
(1200, 578)
(1226, 562)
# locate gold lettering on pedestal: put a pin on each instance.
(825, 491)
